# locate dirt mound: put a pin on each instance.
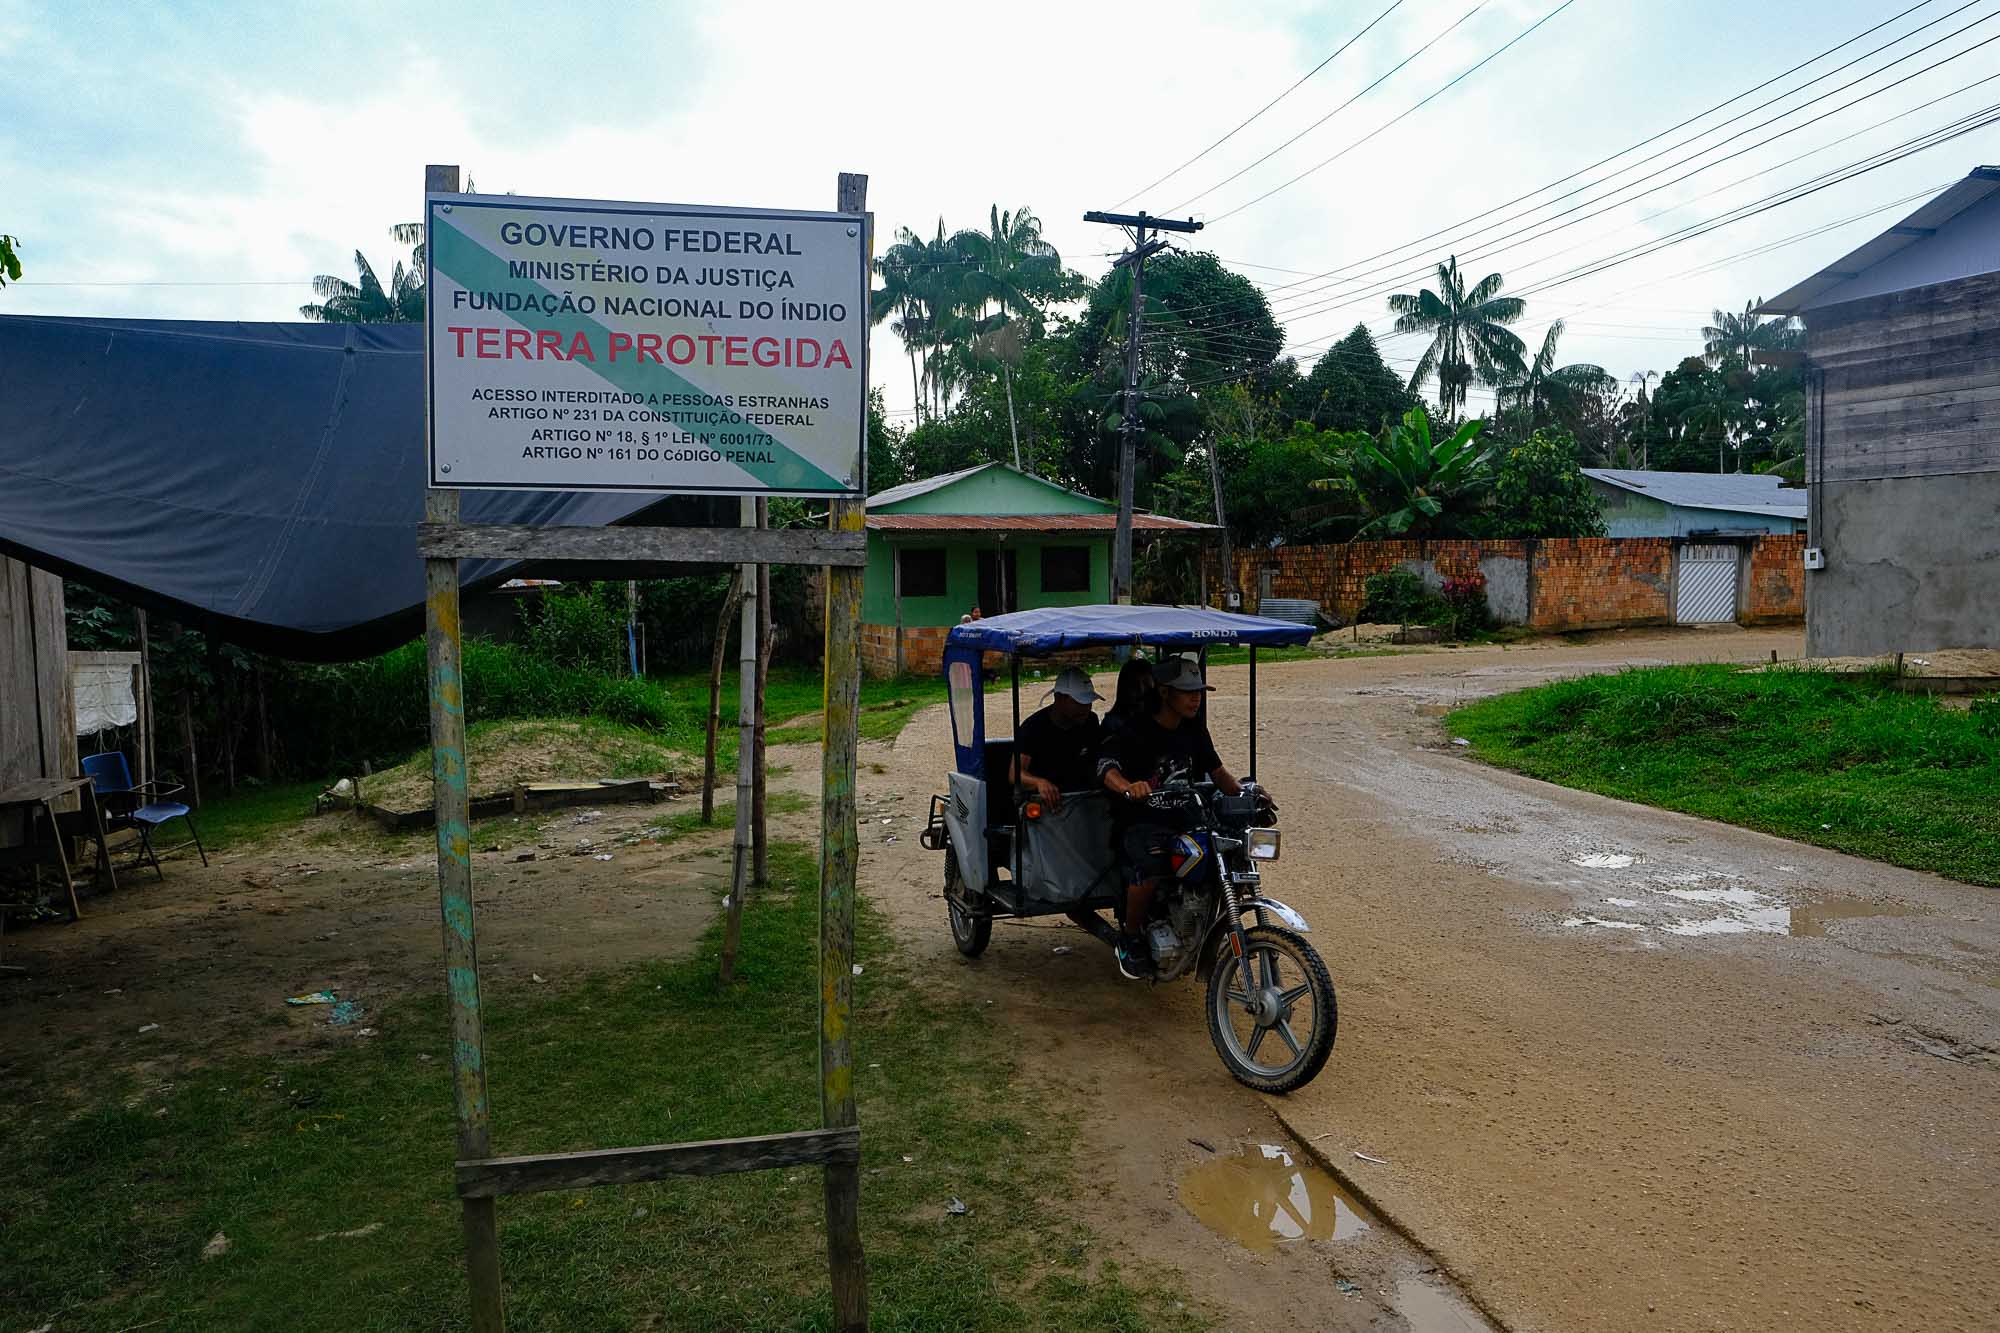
(502, 754)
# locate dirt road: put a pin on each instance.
(1627, 1069)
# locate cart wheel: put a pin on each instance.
(1276, 1037)
(970, 933)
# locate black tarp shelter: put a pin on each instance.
(261, 481)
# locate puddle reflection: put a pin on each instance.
(1260, 1198)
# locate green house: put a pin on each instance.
(989, 537)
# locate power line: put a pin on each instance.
(1261, 110)
(1353, 293)
(1411, 111)
(1337, 110)
(1424, 240)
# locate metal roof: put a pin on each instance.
(1734, 492)
(910, 490)
(1954, 235)
(1029, 523)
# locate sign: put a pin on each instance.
(583, 345)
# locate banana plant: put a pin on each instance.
(1409, 483)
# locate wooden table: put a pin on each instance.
(38, 797)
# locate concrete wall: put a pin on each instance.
(1903, 461)
(1912, 565)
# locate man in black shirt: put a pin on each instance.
(1170, 743)
(1056, 749)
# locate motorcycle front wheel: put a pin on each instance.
(1275, 1036)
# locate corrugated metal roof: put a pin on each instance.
(1028, 523)
(1737, 492)
(910, 490)
(1867, 272)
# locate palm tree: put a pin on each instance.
(368, 302)
(1469, 338)
(900, 300)
(1542, 389)
(1010, 274)
(1735, 337)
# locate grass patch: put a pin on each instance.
(111, 1196)
(228, 822)
(1833, 759)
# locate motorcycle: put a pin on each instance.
(1271, 1008)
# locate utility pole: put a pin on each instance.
(1128, 442)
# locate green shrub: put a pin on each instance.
(1399, 597)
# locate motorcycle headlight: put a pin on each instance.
(1262, 843)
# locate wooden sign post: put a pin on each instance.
(836, 1146)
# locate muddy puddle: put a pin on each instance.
(1710, 904)
(1265, 1199)
(1261, 1198)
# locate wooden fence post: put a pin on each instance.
(838, 863)
(729, 602)
(746, 759)
(454, 850)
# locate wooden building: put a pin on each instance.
(1903, 432)
(37, 718)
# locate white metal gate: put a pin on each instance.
(1705, 585)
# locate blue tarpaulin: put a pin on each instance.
(263, 481)
(1056, 629)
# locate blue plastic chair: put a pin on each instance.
(142, 806)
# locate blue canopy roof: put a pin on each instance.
(263, 481)
(1053, 629)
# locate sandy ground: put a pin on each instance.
(1628, 1069)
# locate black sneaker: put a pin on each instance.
(1135, 961)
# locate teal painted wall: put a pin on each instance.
(878, 597)
(1629, 514)
(998, 490)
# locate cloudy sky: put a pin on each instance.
(205, 160)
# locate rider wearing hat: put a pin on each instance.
(1171, 742)
(1056, 748)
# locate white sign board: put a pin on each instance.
(582, 345)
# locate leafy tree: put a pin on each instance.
(1263, 492)
(1539, 490)
(1469, 337)
(1351, 388)
(1410, 485)
(885, 446)
(10, 259)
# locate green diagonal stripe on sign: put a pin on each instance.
(472, 266)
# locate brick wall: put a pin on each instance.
(1775, 588)
(923, 649)
(1601, 582)
(1573, 583)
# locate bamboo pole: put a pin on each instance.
(838, 864)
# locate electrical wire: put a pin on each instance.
(1337, 110)
(1394, 5)
(1278, 189)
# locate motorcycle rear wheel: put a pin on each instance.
(1273, 1049)
(970, 933)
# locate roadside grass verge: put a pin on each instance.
(112, 1191)
(1834, 759)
